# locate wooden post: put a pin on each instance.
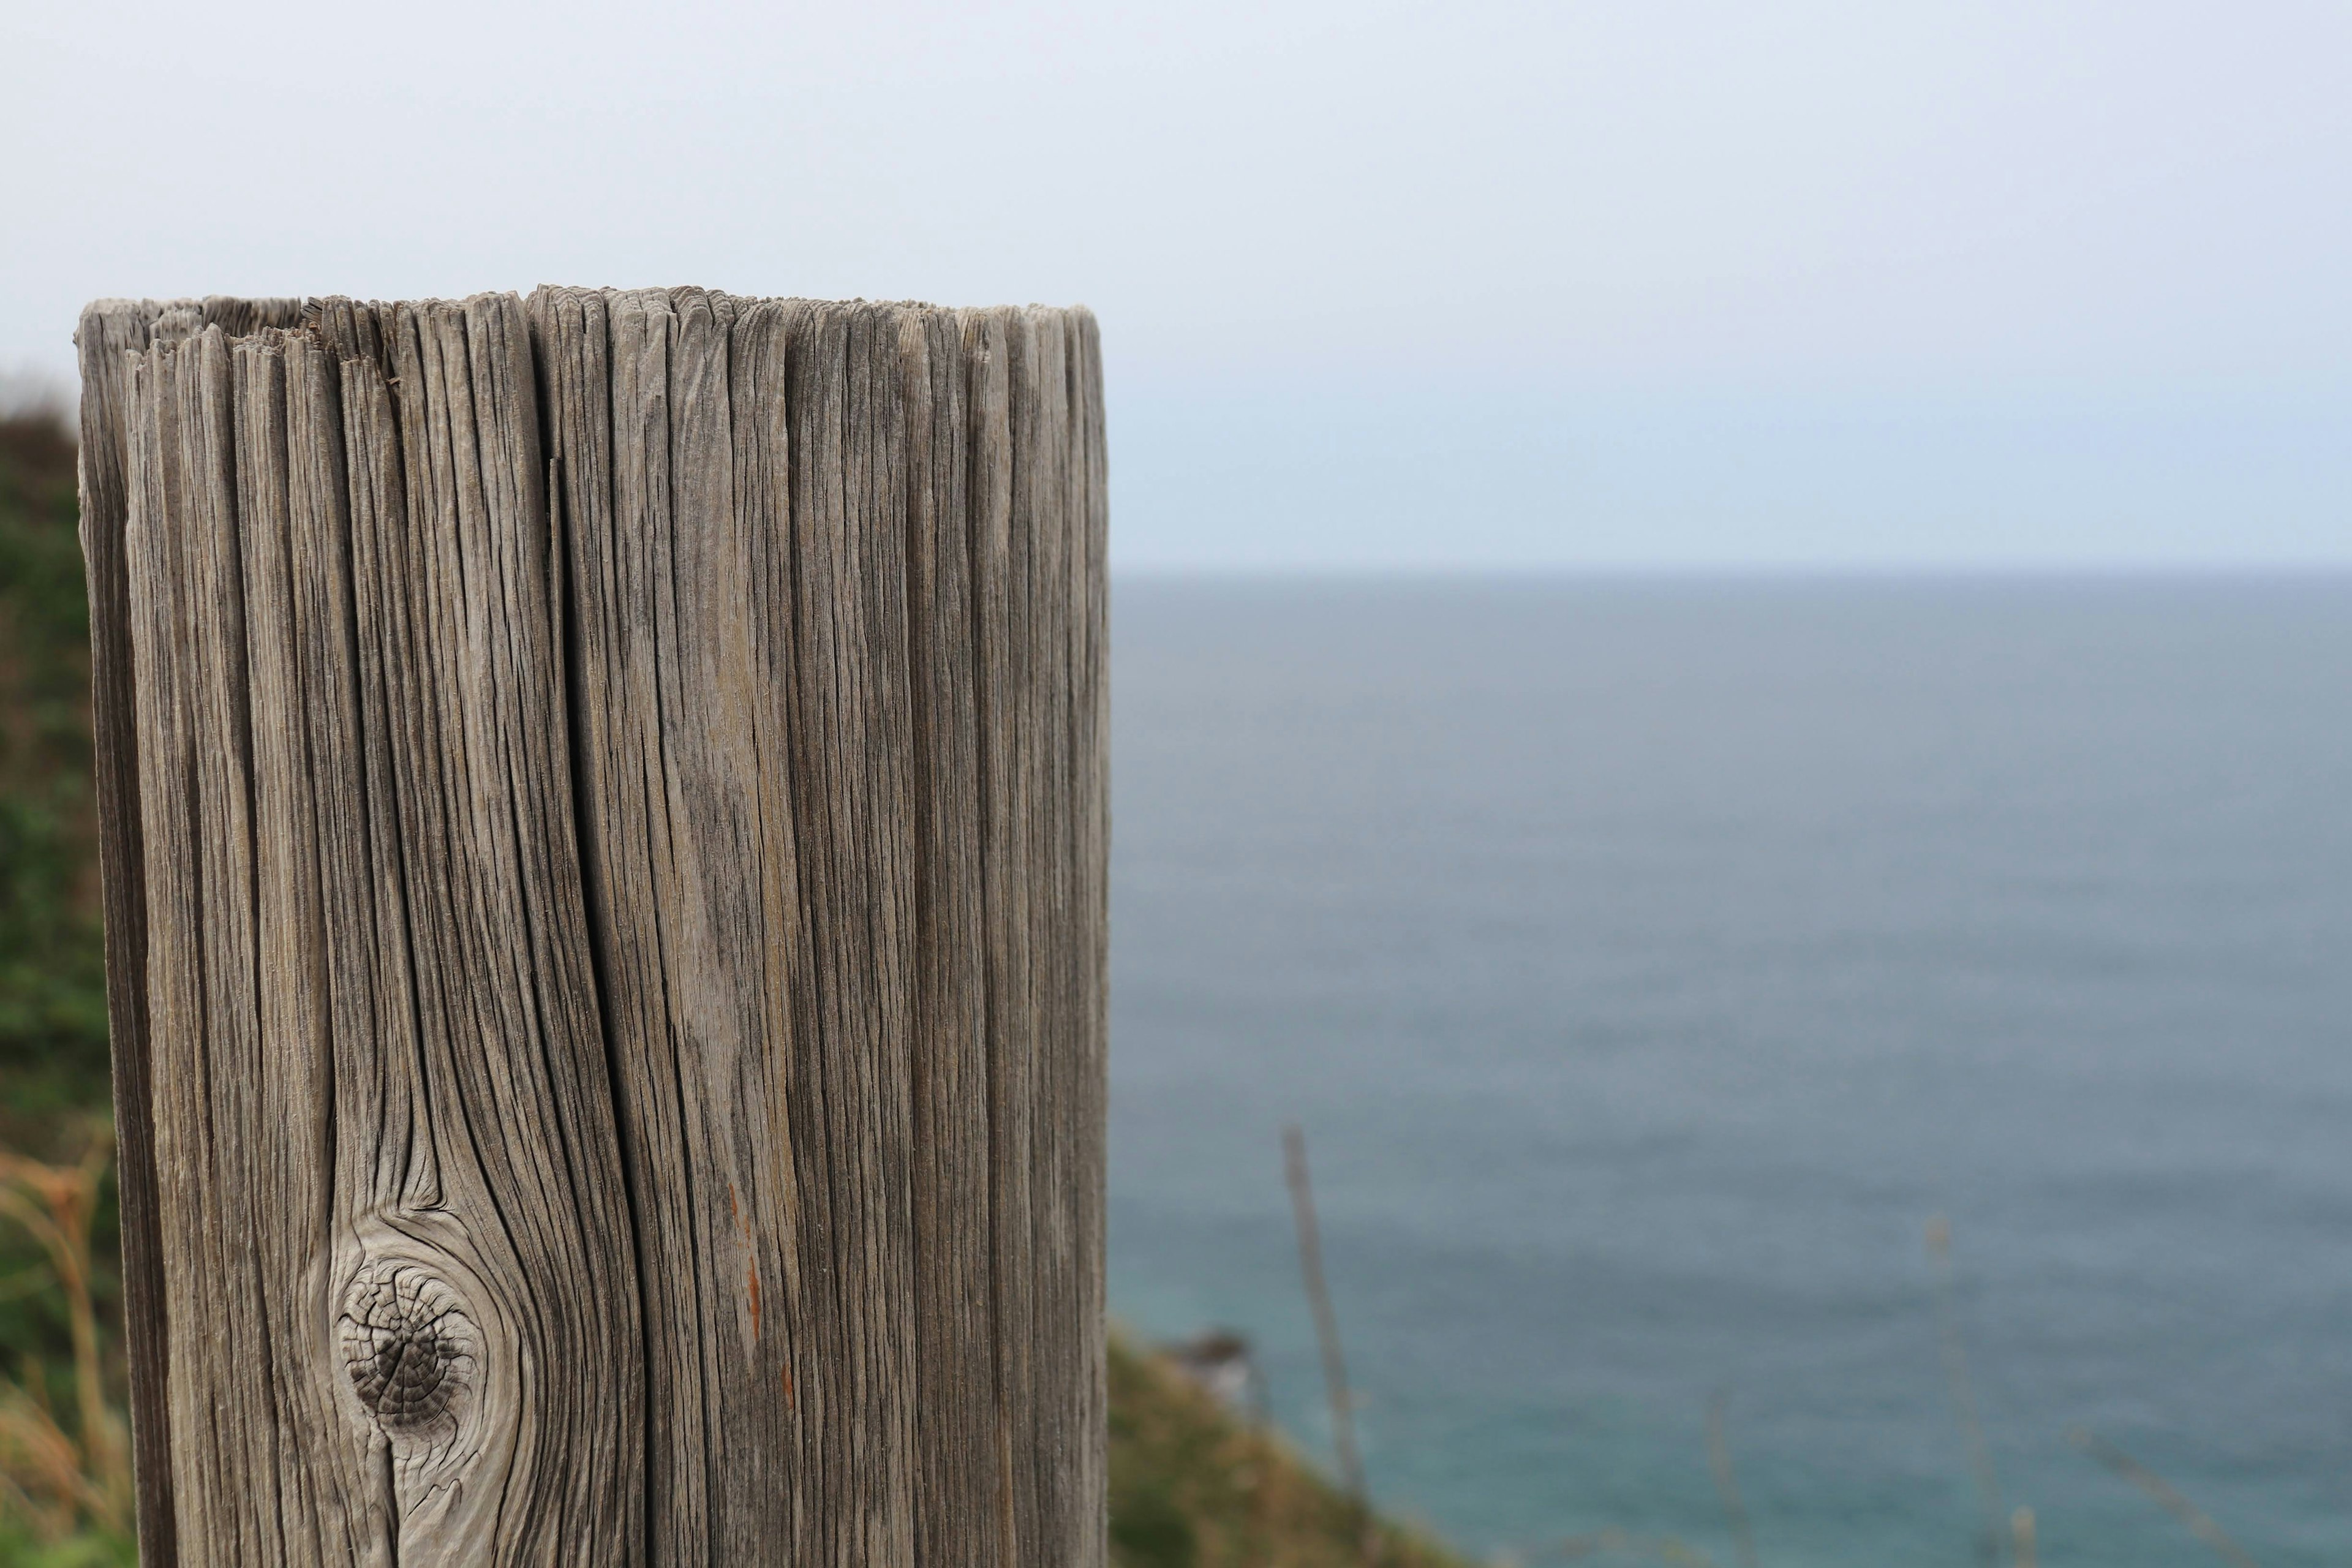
(604, 818)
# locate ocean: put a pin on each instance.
(1649, 961)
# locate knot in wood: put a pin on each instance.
(408, 1346)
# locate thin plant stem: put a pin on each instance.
(2200, 1523)
(1327, 1327)
(56, 1205)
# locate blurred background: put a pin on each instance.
(1733, 650)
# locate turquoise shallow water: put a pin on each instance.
(1649, 961)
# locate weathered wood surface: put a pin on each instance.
(109, 333)
(606, 824)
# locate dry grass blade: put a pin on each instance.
(2021, 1535)
(1327, 1327)
(62, 1479)
(43, 1465)
(2168, 1497)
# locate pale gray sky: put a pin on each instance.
(1661, 282)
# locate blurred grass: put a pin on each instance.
(64, 1480)
(1191, 1486)
(65, 1473)
(52, 968)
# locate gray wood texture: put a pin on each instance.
(606, 828)
(110, 331)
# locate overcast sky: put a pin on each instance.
(1885, 283)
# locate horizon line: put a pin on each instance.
(2324, 570)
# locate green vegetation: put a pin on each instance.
(64, 1480)
(1191, 1486)
(52, 971)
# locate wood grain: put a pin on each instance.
(606, 888)
(110, 330)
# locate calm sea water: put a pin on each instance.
(1649, 961)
